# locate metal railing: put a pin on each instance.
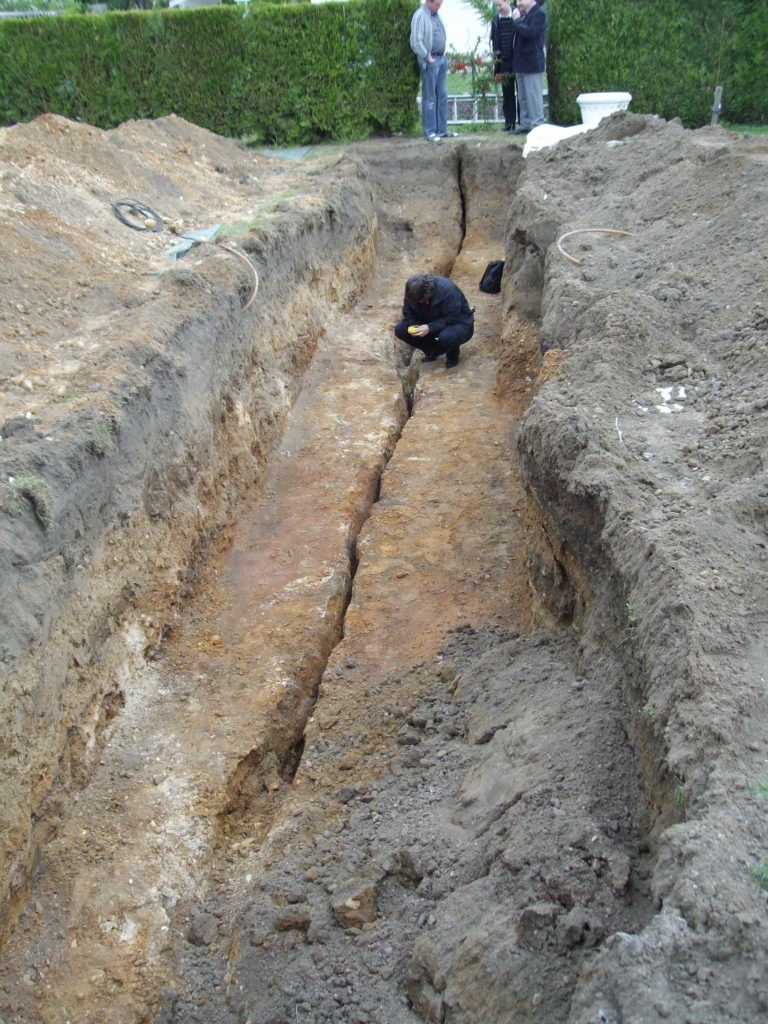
(474, 109)
(467, 109)
(29, 14)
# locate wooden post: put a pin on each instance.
(717, 106)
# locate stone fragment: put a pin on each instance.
(579, 928)
(536, 925)
(203, 929)
(618, 871)
(354, 903)
(293, 918)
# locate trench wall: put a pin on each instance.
(602, 556)
(643, 507)
(121, 503)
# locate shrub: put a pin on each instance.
(670, 54)
(285, 74)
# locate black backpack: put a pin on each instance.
(491, 279)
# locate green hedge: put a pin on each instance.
(670, 54)
(285, 74)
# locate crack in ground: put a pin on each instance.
(260, 774)
(258, 770)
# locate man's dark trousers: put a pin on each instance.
(508, 96)
(432, 345)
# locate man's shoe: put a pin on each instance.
(430, 357)
(434, 138)
(507, 127)
(449, 135)
(520, 131)
(452, 357)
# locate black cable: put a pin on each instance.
(123, 209)
(151, 221)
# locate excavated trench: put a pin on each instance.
(252, 784)
(389, 518)
(391, 757)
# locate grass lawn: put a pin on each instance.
(745, 129)
(479, 127)
(460, 82)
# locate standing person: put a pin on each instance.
(436, 317)
(502, 43)
(428, 43)
(529, 23)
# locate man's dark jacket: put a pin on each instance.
(447, 306)
(530, 35)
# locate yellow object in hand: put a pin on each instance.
(412, 330)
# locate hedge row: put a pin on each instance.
(670, 54)
(283, 74)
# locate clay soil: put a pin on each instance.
(342, 687)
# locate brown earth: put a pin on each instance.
(332, 690)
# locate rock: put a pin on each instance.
(354, 903)
(293, 918)
(578, 928)
(618, 872)
(535, 926)
(203, 930)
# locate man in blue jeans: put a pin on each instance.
(428, 43)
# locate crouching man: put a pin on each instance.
(437, 318)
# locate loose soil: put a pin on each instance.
(338, 687)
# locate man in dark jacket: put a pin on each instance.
(529, 23)
(502, 42)
(437, 318)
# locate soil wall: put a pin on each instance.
(644, 458)
(108, 508)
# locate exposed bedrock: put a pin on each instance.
(644, 459)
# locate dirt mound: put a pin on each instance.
(73, 263)
(645, 457)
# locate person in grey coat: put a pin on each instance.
(428, 43)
